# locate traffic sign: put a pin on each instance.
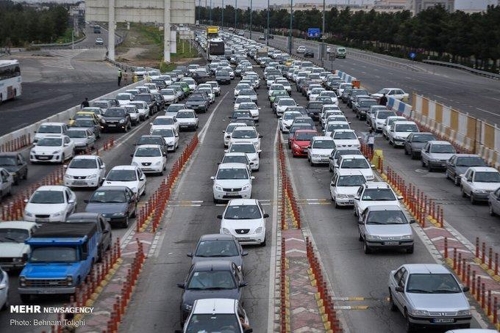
(313, 32)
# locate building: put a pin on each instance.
(416, 6)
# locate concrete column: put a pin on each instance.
(111, 31)
(166, 31)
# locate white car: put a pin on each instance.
(478, 182)
(49, 129)
(150, 159)
(245, 219)
(283, 104)
(344, 185)
(252, 107)
(209, 92)
(249, 149)
(52, 203)
(169, 96)
(374, 194)
(124, 98)
(190, 82)
(388, 122)
(53, 148)
(301, 49)
(85, 171)
(246, 134)
(143, 109)
(436, 153)
(84, 138)
(187, 119)
(165, 121)
(333, 96)
(4, 290)
(232, 180)
(320, 149)
(327, 113)
(241, 99)
(13, 249)
(333, 126)
(287, 119)
(127, 175)
(286, 84)
(399, 131)
(239, 87)
(314, 93)
(346, 138)
(135, 116)
(229, 129)
(215, 87)
(356, 162)
(170, 135)
(378, 120)
(396, 93)
(275, 87)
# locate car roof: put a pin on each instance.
(17, 224)
(150, 146)
(384, 208)
(13, 154)
(124, 167)
(348, 172)
(51, 188)
(483, 169)
(232, 166)
(426, 269)
(242, 202)
(211, 265)
(52, 123)
(322, 137)
(439, 142)
(244, 128)
(215, 305)
(375, 184)
(404, 122)
(235, 153)
(215, 237)
(86, 157)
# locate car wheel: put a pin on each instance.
(125, 223)
(492, 211)
(360, 238)
(216, 201)
(447, 175)
(414, 156)
(410, 250)
(263, 243)
(366, 248)
(63, 158)
(456, 180)
(25, 175)
(6, 305)
(472, 199)
(406, 151)
(143, 192)
(409, 326)
(311, 162)
(392, 306)
(423, 163)
(134, 213)
(429, 167)
(125, 129)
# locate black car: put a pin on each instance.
(314, 109)
(249, 121)
(106, 240)
(222, 77)
(160, 102)
(116, 119)
(308, 54)
(361, 107)
(150, 99)
(354, 93)
(201, 76)
(240, 114)
(159, 83)
(210, 279)
(116, 203)
(197, 102)
(15, 164)
(153, 140)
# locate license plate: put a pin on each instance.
(244, 238)
(391, 243)
(351, 202)
(443, 320)
(42, 220)
(232, 194)
(43, 157)
(183, 126)
(111, 125)
(79, 182)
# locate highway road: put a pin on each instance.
(192, 212)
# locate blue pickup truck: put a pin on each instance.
(62, 255)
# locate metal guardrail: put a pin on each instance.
(462, 67)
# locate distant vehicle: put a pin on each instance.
(10, 80)
(99, 41)
(216, 47)
(340, 52)
(97, 29)
(308, 54)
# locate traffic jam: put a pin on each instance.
(322, 121)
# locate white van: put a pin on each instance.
(340, 52)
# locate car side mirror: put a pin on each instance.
(333, 184)
(356, 198)
(190, 254)
(252, 177)
(400, 197)
(243, 284)
(465, 289)
(131, 155)
(142, 178)
(413, 221)
(399, 289)
(212, 177)
(266, 215)
(181, 285)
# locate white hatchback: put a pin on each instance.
(85, 171)
(51, 203)
(53, 148)
(150, 159)
(232, 180)
(165, 121)
(245, 220)
(246, 134)
(187, 119)
(127, 175)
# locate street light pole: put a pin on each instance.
(222, 14)
(251, 11)
(290, 32)
(323, 33)
(210, 19)
(267, 31)
(235, 13)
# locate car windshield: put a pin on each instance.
(423, 137)
(385, 114)
(196, 98)
(345, 136)
(98, 104)
(323, 144)
(164, 132)
(443, 149)
(7, 161)
(83, 123)
(53, 254)
(355, 163)
(121, 176)
(406, 128)
(244, 212)
(432, 284)
(47, 197)
(206, 280)
(470, 161)
(9, 235)
(244, 134)
(147, 152)
(77, 134)
(123, 97)
(184, 114)
(114, 113)
(235, 159)
(286, 102)
(333, 127)
(351, 180)
(247, 92)
(49, 129)
(242, 99)
(108, 196)
(487, 177)
(341, 152)
(367, 103)
(174, 108)
(386, 217)
(247, 106)
(378, 194)
(145, 98)
(83, 163)
(233, 173)
(217, 248)
(168, 92)
(139, 105)
(291, 115)
(163, 121)
(50, 142)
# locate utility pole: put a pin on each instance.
(267, 33)
(251, 12)
(210, 19)
(222, 24)
(235, 13)
(290, 32)
(323, 34)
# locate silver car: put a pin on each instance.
(428, 295)
(436, 153)
(385, 227)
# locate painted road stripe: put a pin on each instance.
(348, 307)
(264, 202)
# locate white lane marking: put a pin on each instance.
(488, 112)
(204, 130)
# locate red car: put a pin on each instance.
(301, 141)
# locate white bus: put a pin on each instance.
(10, 79)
